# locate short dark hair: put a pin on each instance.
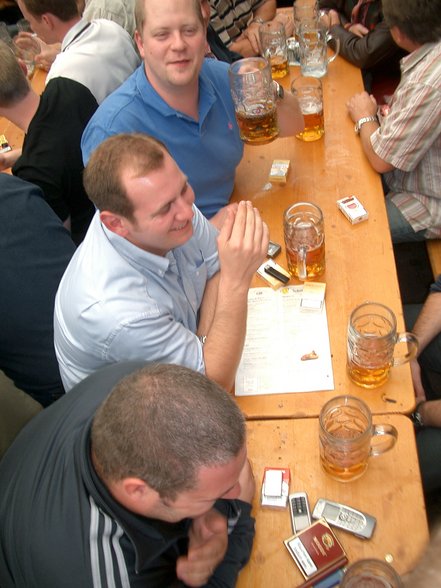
(161, 425)
(419, 20)
(14, 85)
(63, 9)
(140, 13)
(103, 174)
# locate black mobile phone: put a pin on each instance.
(299, 510)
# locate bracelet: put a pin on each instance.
(364, 120)
(258, 20)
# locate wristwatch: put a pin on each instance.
(363, 121)
(280, 92)
(416, 417)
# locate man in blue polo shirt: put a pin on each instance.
(183, 100)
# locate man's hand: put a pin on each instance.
(47, 54)
(8, 159)
(287, 21)
(415, 369)
(358, 29)
(207, 547)
(252, 34)
(361, 105)
(329, 19)
(242, 243)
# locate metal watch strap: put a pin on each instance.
(416, 417)
(363, 121)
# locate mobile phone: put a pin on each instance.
(273, 249)
(299, 509)
(344, 517)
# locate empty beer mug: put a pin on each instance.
(309, 94)
(273, 47)
(346, 438)
(372, 337)
(304, 232)
(254, 100)
(371, 573)
(313, 39)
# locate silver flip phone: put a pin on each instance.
(344, 517)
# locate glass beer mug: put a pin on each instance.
(254, 98)
(313, 40)
(372, 337)
(304, 240)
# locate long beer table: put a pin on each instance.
(359, 258)
(390, 490)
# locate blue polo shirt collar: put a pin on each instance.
(149, 96)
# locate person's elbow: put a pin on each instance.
(381, 166)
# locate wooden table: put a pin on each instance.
(359, 258)
(13, 134)
(390, 490)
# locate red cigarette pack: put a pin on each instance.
(317, 552)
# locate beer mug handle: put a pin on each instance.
(412, 348)
(389, 436)
(301, 262)
(337, 47)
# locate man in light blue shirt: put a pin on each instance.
(184, 101)
(149, 280)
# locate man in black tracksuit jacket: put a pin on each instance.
(64, 525)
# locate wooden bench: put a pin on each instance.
(434, 251)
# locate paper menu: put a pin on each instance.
(278, 336)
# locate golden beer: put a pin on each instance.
(315, 261)
(344, 473)
(314, 126)
(258, 125)
(368, 377)
(344, 443)
(279, 66)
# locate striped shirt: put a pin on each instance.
(409, 138)
(230, 18)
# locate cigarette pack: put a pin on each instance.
(275, 487)
(317, 552)
(353, 209)
(279, 171)
(313, 297)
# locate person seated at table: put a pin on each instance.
(365, 41)
(406, 147)
(425, 323)
(237, 23)
(99, 55)
(137, 478)
(51, 154)
(182, 100)
(150, 281)
(119, 11)
(35, 250)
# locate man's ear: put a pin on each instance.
(135, 495)
(115, 223)
(139, 43)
